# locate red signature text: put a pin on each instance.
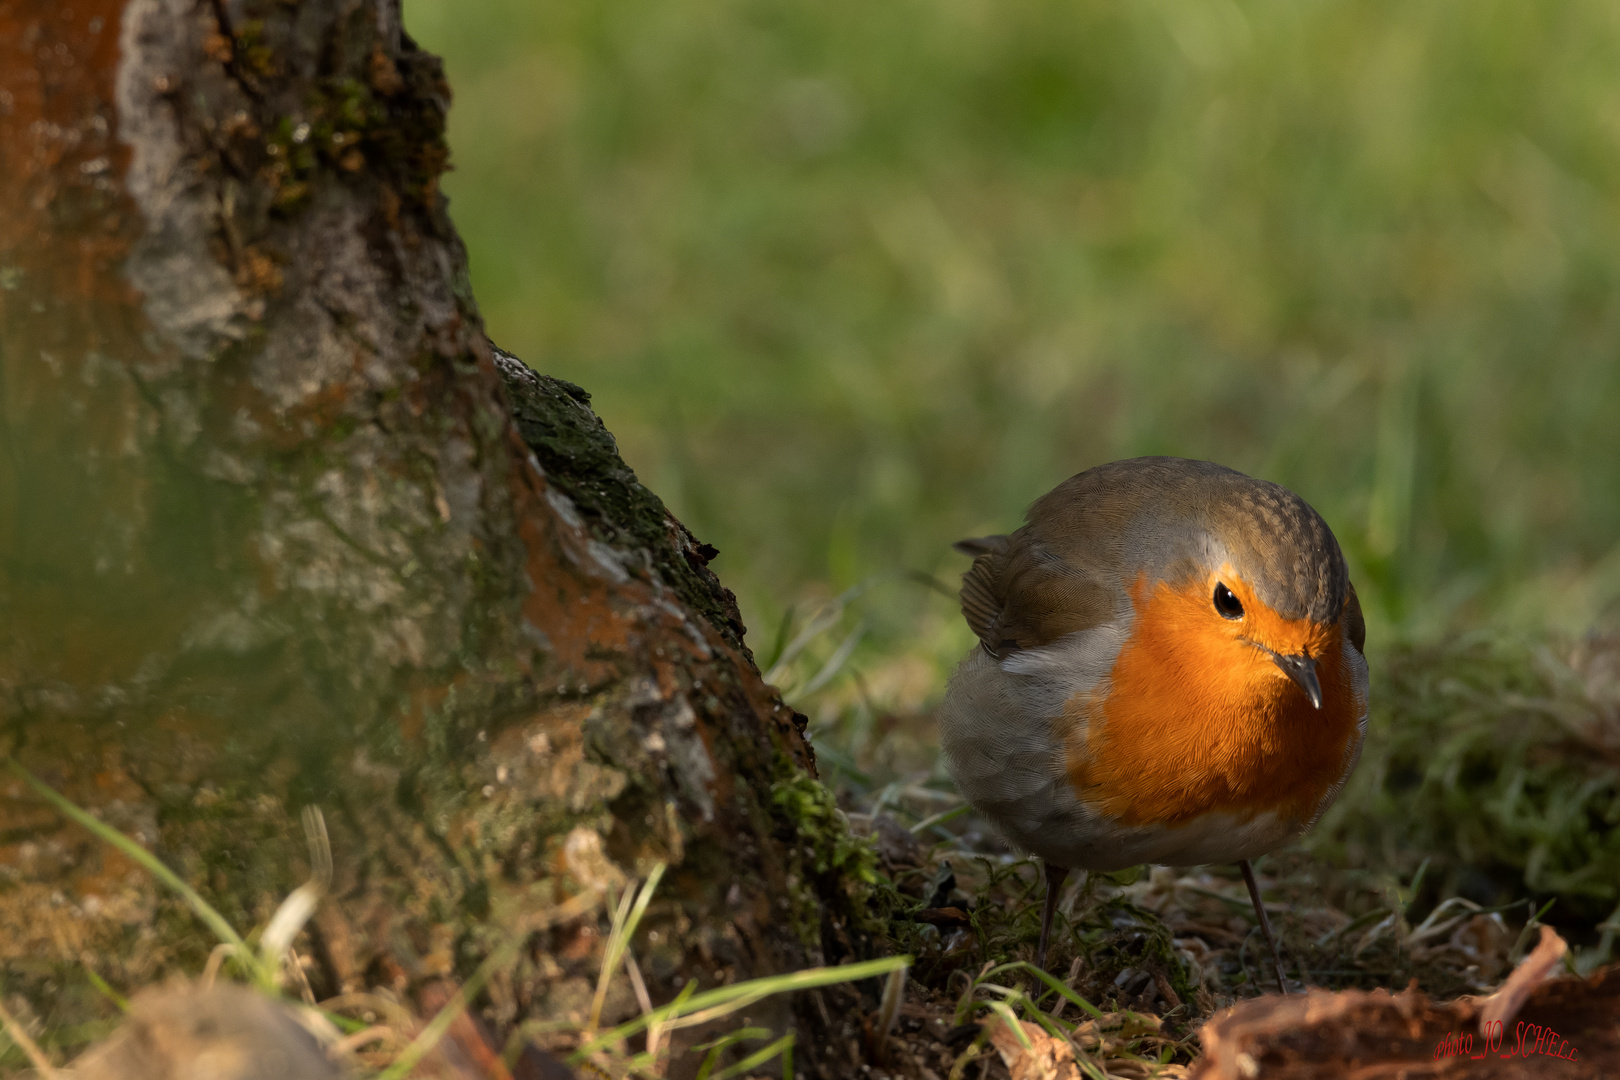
(1529, 1040)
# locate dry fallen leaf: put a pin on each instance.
(1542, 1029)
(1045, 1058)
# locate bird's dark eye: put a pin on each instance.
(1228, 605)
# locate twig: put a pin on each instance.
(1505, 1004)
(894, 990)
(216, 959)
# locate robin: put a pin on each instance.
(1170, 670)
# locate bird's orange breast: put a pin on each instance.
(1193, 719)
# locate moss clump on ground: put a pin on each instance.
(822, 849)
(1497, 763)
(826, 843)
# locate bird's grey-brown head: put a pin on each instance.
(1181, 519)
(1276, 542)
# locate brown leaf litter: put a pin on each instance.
(1564, 1028)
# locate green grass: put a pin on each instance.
(850, 281)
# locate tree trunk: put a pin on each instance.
(270, 537)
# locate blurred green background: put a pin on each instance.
(852, 280)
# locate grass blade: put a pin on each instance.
(780, 1046)
(700, 1008)
(940, 818)
(204, 911)
(625, 921)
(835, 662)
(720, 1045)
(1050, 980)
(107, 991)
(430, 1035)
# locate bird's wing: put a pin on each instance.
(1354, 622)
(981, 596)
(1019, 594)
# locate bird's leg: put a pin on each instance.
(1265, 923)
(1055, 877)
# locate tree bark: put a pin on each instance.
(279, 528)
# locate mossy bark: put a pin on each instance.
(279, 527)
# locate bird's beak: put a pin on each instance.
(1302, 669)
